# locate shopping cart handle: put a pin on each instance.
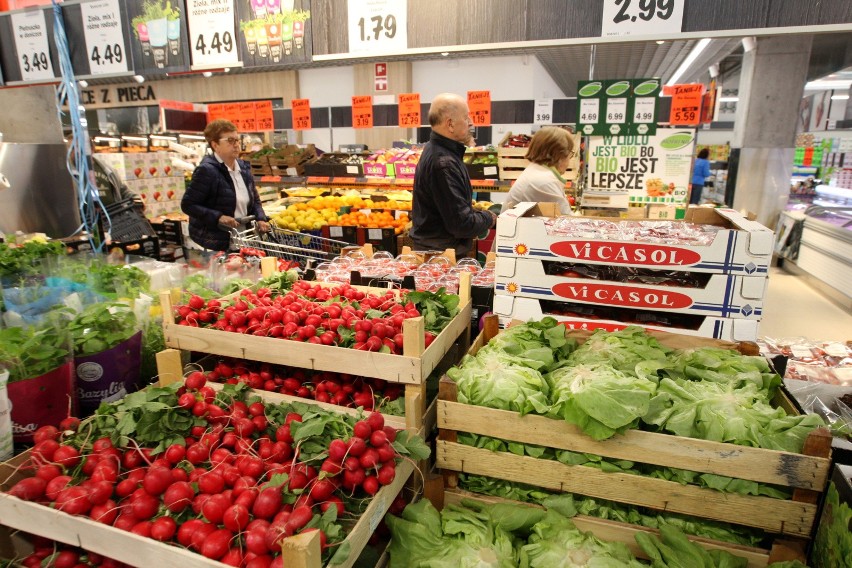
(241, 221)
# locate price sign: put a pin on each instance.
(104, 35)
(641, 17)
(301, 114)
(590, 119)
(362, 112)
(212, 34)
(644, 110)
(543, 111)
(590, 111)
(409, 109)
(245, 119)
(263, 116)
(616, 110)
(215, 112)
(479, 103)
(31, 43)
(686, 104)
(377, 25)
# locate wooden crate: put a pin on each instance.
(301, 551)
(805, 473)
(511, 162)
(412, 368)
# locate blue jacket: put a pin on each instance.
(211, 194)
(700, 171)
(442, 215)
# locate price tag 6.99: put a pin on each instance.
(104, 35)
(31, 43)
(377, 25)
(616, 111)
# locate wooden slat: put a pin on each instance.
(774, 515)
(302, 551)
(169, 366)
(742, 462)
(614, 531)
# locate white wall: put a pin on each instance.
(326, 87)
(714, 137)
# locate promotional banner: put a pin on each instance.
(274, 32)
(362, 112)
(645, 169)
(409, 109)
(686, 104)
(159, 37)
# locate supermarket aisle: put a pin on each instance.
(794, 309)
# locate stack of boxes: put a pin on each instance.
(150, 176)
(713, 290)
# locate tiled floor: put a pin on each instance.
(793, 309)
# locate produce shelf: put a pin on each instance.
(806, 474)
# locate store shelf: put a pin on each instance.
(491, 185)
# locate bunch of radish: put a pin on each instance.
(244, 477)
(57, 555)
(336, 388)
(340, 316)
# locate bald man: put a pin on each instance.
(442, 214)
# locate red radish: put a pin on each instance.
(175, 453)
(386, 474)
(187, 401)
(187, 529)
(45, 433)
(142, 528)
(352, 479)
(300, 517)
(157, 480)
(105, 513)
(125, 487)
(66, 559)
(74, 501)
(55, 485)
(211, 483)
(371, 485)
(261, 561)
(335, 501)
(48, 471)
(337, 450)
(322, 490)
(378, 438)
(195, 380)
(99, 491)
(203, 531)
(217, 544)
(45, 450)
(29, 489)
(390, 432)
(268, 503)
(163, 529)
(125, 522)
(369, 459)
(214, 508)
(236, 518)
(357, 446)
(234, 557)
(178, 496)
(144, 506)
(67, 456)
(69, 424)
(386, 453)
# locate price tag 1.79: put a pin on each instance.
(212, 36)
(377, 25)
(30, 29)
(104, 35)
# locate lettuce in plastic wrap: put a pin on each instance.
(498, 381)
(599, 399)
(622, 349)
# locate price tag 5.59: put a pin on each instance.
(30, 29)
(104, 35)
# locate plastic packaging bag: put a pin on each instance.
(6, 445)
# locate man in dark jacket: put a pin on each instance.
(442, 214)
(221, 191)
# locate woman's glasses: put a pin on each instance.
(230, 140)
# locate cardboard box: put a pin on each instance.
(405, 169)
(724, 295)
(510, 308)
(379, 169)
(346, 234)
(739, 247)
(381, 239)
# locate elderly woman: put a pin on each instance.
(222, 191)
(550, 151)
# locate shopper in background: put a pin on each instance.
(442, 213)
(222, 191)
(549, 153)
(700, 172)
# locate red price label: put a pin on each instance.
(362, 112)
(479, 103)
(409, 109)
(263, 116)
(301, 109)
(686, 104)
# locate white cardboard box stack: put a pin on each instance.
(150, 176)
(724, 300)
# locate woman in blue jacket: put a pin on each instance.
(221, 191)
(700, 172)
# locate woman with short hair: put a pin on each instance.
(549, 153)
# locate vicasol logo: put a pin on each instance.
(629, 253)
(613, 294)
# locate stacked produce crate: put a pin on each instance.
(705, 275)
(150, 176)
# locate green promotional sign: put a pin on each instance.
(617, 107)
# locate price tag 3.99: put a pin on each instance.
(104, 35)
(543, 111)
(31, 43)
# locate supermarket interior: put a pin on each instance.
(425, 283)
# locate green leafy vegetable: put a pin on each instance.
(622, 349)
(599, 399)
(280, 281)
(497, 381)
(538, 345)
(673, 550)
(30, 352)
(26, 258)
(237, 284)
(833, 542)
(722, 366)
(100, 327)
(437, 308)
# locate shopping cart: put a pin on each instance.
(301, 248)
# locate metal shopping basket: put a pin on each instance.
(302, 248)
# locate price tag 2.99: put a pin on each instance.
(377, 25)
(104, 35)
(30, 29)
(212, 35)
(641, 17)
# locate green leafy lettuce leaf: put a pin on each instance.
(673, 550)
(622, 349)
(722, 366)
(497, 381)
(833, 542)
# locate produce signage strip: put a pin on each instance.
(222, 474)
(340, 316)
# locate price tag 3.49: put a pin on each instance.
(104, 35)
(30, 29)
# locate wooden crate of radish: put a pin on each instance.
(568, 445)
(192, 474)
(391, 335)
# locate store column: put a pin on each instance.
(772, 82)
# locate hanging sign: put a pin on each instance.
(686, 104)
(377, 26)
(543, 113)
(643, 108)
(642, 169)
(479, 103)
(274, 32)
(245, 119)
(105, 41)
(362, 112)
(263, 116)
(212, 34)
(409, 109)
(301, 111)
(159, 38)
(32, 45)
(641, 17)
(215, 112)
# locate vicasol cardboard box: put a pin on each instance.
(739, 247)
(723, 295)
(513, 308)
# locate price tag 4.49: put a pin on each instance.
(104, 35)
(212, 34)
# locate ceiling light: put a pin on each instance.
(824, 85)
(445, 53)
(83, 83)
(840, 97)
(660, 42)
(749, 43)
(208, 74)
(690, 59)
(227, 69)
(728, 99)
(139, 78)
(713, 70)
